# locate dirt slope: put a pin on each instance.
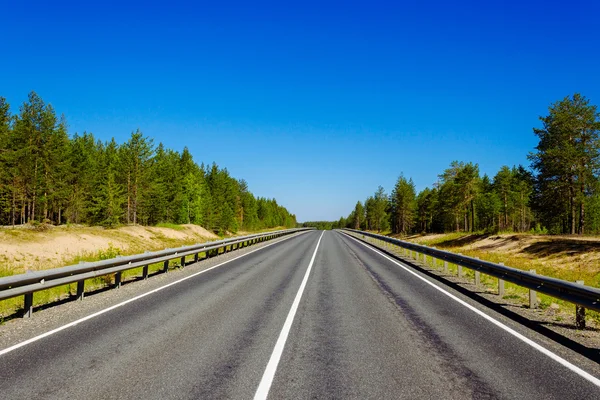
(565, 257)
(24, 248)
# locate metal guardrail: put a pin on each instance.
(576, 293)
(28, 283)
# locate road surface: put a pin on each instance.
(319, 315)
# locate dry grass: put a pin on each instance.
(26, 249)
(569, 258)
(31, 249)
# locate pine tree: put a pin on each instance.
(106, 205)
(358, 215)
(84, 154)
(403, 205)
(489, 205)
(380, 206)
(6, 153)
(567, 160)
(137, 154)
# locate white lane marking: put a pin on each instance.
(499, 324)
(70, 324)
(265, 383)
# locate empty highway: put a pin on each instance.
(317, 315)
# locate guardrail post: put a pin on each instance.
(118, 276)
(145, 272)
(166, 266)
(445, 267)
(532, 294)
(196, 257)
(182, 261)
(27, 305)
(501, 285)
(477, 275)
(80, 289)
(579, 313)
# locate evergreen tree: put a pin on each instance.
(106, 204)
(358, 216)
(380, 206)
(567, 160)
(6, 155)
(84, 155)
(489, 205)
(403, 205)
(137, 156)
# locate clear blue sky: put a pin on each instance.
(314, 104)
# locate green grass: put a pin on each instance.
(170, 226)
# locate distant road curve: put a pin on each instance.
(319, 315)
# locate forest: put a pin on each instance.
(559, 193)
(47, 177)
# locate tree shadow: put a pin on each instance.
(568, 247)
(462, 241)
(499, 241)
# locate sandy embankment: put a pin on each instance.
(24, 249)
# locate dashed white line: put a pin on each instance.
(267, 379)
(499, 324)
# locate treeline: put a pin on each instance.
(46, 176)
(321, 225)
(559, 194)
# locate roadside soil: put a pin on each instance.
(26, 248)
(568, 257)
(67, 309)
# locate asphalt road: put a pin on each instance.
(363, 328)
